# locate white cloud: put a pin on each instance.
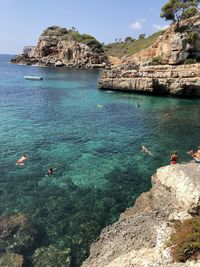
(160, 27)
(137, 25)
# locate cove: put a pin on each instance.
(93, 138)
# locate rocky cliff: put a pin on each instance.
(60, 47)
(181, 80)
(161, 68)
(141, 236)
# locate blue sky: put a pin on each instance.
(22, 21)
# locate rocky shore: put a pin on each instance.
(59, 47)
(181, 80)
(141, 236)
(139, 239)
(163, 68)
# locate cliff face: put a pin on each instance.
(182, 80)
(140, 236)
(159, 69)
(61, 47)
(176, 44)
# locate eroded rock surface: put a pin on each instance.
(58, 47)
(139, 237)
(161, 68)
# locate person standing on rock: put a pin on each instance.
(174, 158)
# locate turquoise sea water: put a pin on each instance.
(93, 138)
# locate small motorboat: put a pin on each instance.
(32, 77)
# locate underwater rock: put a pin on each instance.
(11, 260)
(16, 233)
(51, 257)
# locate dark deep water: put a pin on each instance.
(93, 138)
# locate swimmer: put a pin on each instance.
(99, 106)
(50, 172)
(21, 161)
(145, 150)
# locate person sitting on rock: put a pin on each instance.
(174, 158)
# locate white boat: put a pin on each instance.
(32, 77)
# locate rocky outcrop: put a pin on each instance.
(140, 236)
(60, 47)
(182, 80)
(160, 69)
(175, 45)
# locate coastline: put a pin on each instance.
(140, 236)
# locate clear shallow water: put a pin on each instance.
(93, 138)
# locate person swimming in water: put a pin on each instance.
(21, 161)
(145, 150)
(50, 171)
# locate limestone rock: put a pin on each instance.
(181, 80)
(57, 48)
(175, 45)
(160, 69)
(139, 237)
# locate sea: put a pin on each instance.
(93, 138)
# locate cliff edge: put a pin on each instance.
(140, 237)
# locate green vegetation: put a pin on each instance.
(191, 37)
(71, 34)
(190, 61)
(157, 60)
(186, 240)
(130, 46)
(176, 10)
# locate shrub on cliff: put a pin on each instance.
(54, 31)
(72, 34)
(157, 60)
(186, 240)
(121, 49)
